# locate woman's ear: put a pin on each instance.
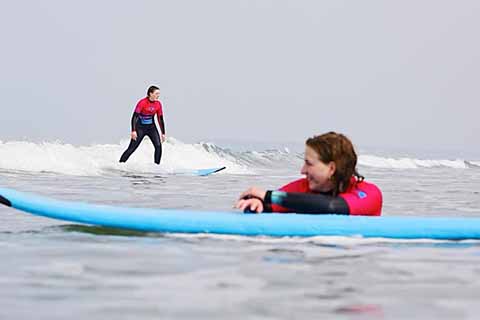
(332, 167)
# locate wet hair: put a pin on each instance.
(338, 148)
(152, 89)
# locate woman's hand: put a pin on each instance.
(163, 137)
(254, 204)
(253, 192)
(134, 135)
(252, 198)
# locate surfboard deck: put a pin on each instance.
(186, 172)
(235, 223)
(201, 172)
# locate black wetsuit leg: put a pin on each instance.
(134, 143)
(152, 133)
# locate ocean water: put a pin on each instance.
(55, 270)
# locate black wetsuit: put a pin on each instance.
(145, 126)
(360, 198)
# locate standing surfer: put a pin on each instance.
(143, 124)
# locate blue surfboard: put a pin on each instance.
(235, 223)
(201, 172)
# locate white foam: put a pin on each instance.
(475, 163)
(322, 240)
(408, 163)
(178, 156)
(284, 157)
(96, 159)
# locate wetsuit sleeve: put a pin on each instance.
(162, 124)
(138, 108)
(306, 202)
(134, 121)
(300, 185)
(136, 114)
(160, 109)
(160, 117)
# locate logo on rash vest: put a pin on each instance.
(151, 109)
(361, 194)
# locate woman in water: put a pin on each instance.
(143, 124)
(331, 184)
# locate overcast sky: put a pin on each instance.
(398, 74)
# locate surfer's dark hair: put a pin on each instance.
(151, 90)
(335, 147)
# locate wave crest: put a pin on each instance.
(98, 159)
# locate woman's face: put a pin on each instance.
(154, 95)
(317, 173)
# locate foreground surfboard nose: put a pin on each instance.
(5, 201)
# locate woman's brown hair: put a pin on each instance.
(338, 148)
(152, 89)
